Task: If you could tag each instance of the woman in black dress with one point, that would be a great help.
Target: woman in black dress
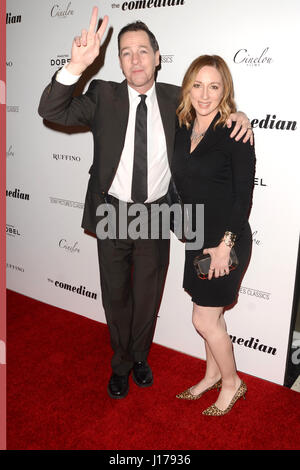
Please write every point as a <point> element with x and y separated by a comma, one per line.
<point>212,169</point>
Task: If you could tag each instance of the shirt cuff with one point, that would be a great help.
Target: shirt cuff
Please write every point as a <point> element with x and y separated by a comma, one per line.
<point>65,77</point>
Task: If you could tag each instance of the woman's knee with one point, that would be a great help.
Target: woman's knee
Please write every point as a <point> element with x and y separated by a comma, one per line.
<point>205,319</point>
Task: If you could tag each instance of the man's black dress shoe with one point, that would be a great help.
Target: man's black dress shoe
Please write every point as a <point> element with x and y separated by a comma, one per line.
<point>142,374</point>
<point>118,386</point>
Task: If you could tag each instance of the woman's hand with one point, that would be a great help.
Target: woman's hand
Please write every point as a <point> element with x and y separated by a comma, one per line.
<point>219,265</point>
<point>86,48</point>
<point>242,127</point>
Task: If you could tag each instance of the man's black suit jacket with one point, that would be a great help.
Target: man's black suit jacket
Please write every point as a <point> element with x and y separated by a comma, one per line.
<point>104,108</point>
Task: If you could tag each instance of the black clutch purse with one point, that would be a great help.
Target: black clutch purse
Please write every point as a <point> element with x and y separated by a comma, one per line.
<point>202,263</point>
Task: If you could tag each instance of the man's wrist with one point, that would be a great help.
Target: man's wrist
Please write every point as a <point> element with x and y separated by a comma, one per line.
<point>65,77</point>
<point>75,69</point>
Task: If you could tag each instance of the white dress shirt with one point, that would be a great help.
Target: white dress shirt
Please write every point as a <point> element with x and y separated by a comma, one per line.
<point>158,166</point>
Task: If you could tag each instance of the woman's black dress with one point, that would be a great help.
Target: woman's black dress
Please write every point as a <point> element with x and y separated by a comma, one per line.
<point>219,173</point>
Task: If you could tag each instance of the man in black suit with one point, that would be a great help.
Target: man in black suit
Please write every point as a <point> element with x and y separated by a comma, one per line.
<point>133,125</point>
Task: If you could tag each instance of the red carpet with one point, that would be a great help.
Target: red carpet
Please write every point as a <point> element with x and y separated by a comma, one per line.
<point>57,373</point>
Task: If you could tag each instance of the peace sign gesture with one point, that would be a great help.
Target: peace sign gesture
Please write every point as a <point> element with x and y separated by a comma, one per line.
<point>86,48</point>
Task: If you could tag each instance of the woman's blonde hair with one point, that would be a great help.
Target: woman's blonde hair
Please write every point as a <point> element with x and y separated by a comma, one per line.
<point>185,111</point>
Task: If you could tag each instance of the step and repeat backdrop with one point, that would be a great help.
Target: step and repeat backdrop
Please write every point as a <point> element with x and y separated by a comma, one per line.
<point>50,258</point>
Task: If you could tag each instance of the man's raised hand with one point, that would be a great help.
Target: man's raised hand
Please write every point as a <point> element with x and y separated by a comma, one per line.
<point>86,48</point>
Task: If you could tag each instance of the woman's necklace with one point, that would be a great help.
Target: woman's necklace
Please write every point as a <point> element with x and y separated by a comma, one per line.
<point>197,136</point>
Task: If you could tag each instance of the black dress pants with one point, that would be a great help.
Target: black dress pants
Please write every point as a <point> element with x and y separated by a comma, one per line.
<point>132,274</point>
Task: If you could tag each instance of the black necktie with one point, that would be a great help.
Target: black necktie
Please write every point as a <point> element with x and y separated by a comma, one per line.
<point>139,190</point>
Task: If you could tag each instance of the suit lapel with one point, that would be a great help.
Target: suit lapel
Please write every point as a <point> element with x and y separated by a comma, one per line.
<point>121,104</point>
<point>168,119</point>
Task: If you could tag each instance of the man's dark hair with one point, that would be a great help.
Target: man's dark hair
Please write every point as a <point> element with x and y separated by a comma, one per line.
<point>139,26</point>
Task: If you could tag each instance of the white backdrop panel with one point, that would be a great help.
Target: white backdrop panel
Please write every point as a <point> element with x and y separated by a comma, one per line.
<point>46,248</point>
